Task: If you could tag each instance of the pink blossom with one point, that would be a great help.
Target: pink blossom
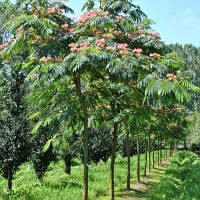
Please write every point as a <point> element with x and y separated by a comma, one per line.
<point>122,45</point>
<point>110,48</point>
<point>58,59</point>
<point>154,55</point>
<point>85,44</point>
<point>45,59</point>
<point>169,75</point>
<point>12,16</point>
<point>20,28</point>
<point>71,30</point>
<point>64,26</point>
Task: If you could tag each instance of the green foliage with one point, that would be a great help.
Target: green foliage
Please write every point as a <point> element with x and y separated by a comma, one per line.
<point>15,143</point>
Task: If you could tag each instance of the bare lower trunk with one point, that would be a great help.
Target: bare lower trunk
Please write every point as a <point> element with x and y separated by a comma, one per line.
<point>161,155</point>
<point>185,144</point>
<point>68,161</point>
<point>10,177</point>
<point>128,186</point>
<point>153,156</point>
<point>145,160</point>
<point>170,151</point>
<point>112,165</point>
<point>138,159</point>
<point>82,101</point>
<point>149,150</point>
<point>158,151</point>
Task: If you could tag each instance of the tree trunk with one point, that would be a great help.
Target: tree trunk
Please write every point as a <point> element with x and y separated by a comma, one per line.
<point>170,151</point>
<point>138,159</point>
<point>112,165</point>
<point>153,156</point>
<point>128,186</point>
<point>145,160</point>
<point>82,101</point>
<point>158,151</point>
<point>149,150</point>
<point>68,161</point>
<point>185,144</point>
<point>175,147</point>
<point>10,177</point>
<point>161,155</point>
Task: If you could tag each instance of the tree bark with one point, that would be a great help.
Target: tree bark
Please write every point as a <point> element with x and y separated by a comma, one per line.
<point>170,151</point>
<point>10,177</point>
<point>68,161</point>
<point>149,150</point>
<point>145,160</point>
<point>128,186</point>
<point>138,159</point>
<point>153,155</point>
<point>158,151</point>
<point>161,156</point>
<point>112,165</point>
<point>185,144</point>
<point>82,101</point>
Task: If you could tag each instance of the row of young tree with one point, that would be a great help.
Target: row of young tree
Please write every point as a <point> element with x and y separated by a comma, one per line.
<point>93,85</point>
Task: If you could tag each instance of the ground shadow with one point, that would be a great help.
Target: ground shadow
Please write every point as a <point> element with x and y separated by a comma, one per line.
<point>140,190</point>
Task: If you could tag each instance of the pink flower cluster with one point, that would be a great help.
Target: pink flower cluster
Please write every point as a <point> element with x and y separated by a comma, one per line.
<point>12,16</point>
<point>107,35</point>
<point>2,46</point>
<point>155,35</point>
<point>89,15</point>
<point>20,28</point>
<point>54,11</point>
<point>110,48</point>
<point>123,48</point>
<point>171,76</point>
<point>141,31</point>
<point>119,18</point>
<point>47,59</point>
<point>137,51</point>
<point>156,55</point>
<point>64,26</point>
<point>74,47</point>
<point>100,43</point>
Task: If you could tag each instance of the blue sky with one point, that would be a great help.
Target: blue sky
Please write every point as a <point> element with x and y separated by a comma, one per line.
<point>176,20</point>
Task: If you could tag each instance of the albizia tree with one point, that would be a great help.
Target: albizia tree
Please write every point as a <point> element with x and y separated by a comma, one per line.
<point>104,45</point>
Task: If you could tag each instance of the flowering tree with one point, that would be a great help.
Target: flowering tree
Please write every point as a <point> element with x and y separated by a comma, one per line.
<point>105,56</point>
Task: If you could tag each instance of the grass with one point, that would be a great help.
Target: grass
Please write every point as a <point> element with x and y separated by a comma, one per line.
<point>140,191</point>
<point>181,180</point>
<point>59,186</point>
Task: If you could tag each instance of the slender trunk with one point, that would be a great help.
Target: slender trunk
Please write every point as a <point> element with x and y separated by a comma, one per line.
<point>185,144</point>
<point>158,151</point>
<point>149,150</point>
<point>82,101</point>
<point>175,147</point>
<point>128,187</point>
<point>145,161</point>
<point>161,155</point>
<point>153,156</point>
<point>170,151</point>
<point>112,165</point>
<point>68,161</point>
<point>10,177</point>
<point>138,159</point>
